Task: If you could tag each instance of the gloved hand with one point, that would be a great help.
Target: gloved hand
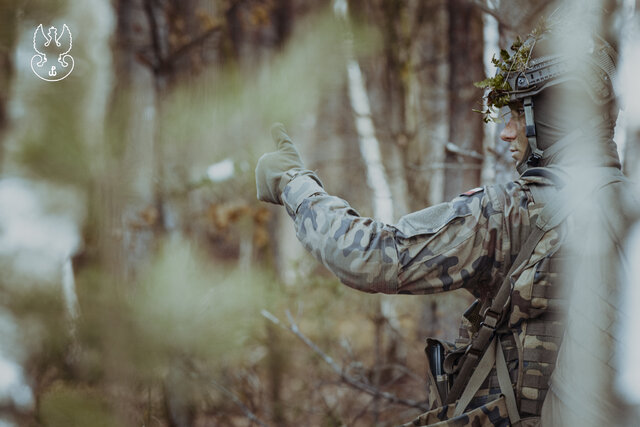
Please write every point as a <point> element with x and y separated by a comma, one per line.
<point>270,170</point>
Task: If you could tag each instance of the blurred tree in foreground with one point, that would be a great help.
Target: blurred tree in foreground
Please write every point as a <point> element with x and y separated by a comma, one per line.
<point>191,303</point>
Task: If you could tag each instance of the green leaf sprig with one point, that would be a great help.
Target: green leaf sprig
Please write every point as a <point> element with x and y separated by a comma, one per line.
<point>499,89</point>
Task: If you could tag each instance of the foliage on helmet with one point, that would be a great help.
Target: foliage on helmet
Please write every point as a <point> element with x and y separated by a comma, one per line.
<point>497,89</point>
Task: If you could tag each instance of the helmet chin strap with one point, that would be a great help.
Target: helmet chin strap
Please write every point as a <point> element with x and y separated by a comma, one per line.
<point>535,154</point>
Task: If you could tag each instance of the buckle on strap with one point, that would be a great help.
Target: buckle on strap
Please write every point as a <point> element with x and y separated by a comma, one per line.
<point>534,159</point>
<point>491,319</point>
<point>475,352</point>
<point>481,340</point>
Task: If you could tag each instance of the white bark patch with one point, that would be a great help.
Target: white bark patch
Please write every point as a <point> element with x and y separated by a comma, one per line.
<point>14,389</point>
<point>221,171</point>
<point>369,148</point>
<point>491,35</point>
<point>37,242</point>
<point>69,289</point>
<point>369,145</point>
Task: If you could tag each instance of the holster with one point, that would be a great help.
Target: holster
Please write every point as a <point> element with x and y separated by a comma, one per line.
<point>439,380</point>
<point>444,358</point>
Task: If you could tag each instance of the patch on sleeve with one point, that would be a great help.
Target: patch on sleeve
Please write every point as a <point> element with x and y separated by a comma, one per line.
<point>473,191</point>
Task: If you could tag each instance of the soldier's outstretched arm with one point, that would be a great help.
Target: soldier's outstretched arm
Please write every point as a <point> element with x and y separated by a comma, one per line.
<point>437,249</point>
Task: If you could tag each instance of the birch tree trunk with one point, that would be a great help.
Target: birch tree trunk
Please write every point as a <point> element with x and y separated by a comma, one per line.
<point>382,198</point>
<point>124,202</point>
<point>427,104</point>
<point>407,86</point>
<point>465,126</point>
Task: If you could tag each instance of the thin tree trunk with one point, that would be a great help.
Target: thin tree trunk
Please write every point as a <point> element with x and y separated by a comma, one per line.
<point>124,199</point>
<point>492,148</point>
<point>466,67</point>
<point>8,28</point>
<point>383,202</point>
<point>427,123</point>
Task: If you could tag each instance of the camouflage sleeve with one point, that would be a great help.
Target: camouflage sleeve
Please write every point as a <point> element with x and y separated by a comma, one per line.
<point>433,250</point>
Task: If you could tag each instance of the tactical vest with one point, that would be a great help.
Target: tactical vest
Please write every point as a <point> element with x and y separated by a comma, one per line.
<point>529,335</point>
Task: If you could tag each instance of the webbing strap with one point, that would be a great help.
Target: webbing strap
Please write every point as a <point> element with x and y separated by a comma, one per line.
<point>542,193</point>
<point>530,129</point>
<point>554,212</point>
<point>552,173</point>
<point>478,377</point>
<point>505,386</point>
<point>491,318</point>
<point>492,382</point>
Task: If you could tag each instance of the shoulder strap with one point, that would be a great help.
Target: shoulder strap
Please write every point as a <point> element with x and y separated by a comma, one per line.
<point>492,316</point>
<point>555,211</point>
<point>550,173</point>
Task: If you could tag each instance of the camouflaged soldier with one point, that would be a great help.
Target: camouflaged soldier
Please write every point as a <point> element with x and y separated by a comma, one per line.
<point>500,242</point>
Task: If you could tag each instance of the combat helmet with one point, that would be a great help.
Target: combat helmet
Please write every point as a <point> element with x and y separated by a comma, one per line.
<point>535,64</point>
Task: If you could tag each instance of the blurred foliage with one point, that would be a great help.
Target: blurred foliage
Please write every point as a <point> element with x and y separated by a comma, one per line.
<point>182,304</point>
<point>41,318</point>
<point>14,12</point>
<point>226,114</point>
<point>54,148</point>
<point>187,305</point>
<point>54,132</point>
<point>65,406</point>
<point>186,318</point>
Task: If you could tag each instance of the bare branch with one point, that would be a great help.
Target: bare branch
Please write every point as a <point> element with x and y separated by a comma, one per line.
<point>456,149</point>
<point>239,403</point>
<point>367,388</point>
<point>163,59</point>
<point>185,48</point>
<point>154,28</point>
<point>443,165</point>
<point>404,370</point>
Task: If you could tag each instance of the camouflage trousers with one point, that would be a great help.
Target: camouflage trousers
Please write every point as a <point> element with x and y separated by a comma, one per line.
<point>492,414</point>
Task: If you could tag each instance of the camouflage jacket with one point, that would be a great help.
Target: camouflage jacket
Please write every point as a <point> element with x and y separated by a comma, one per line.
<point>467,243</point>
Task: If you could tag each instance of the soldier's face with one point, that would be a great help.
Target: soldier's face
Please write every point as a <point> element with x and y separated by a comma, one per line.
<point>514,133</point>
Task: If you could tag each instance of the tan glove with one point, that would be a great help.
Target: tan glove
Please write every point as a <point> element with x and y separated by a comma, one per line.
<point>274,170</point>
